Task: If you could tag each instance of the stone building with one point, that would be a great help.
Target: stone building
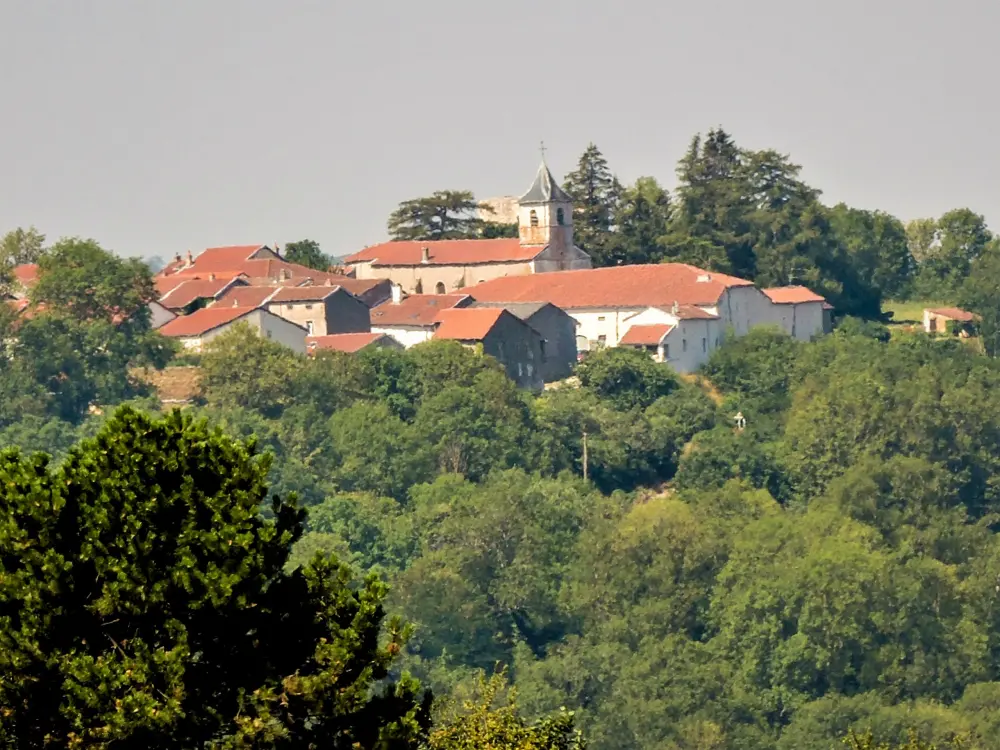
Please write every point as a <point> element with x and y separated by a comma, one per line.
<point>544,244</point>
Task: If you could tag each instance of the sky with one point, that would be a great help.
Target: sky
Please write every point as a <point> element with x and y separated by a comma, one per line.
<point>162,126</point>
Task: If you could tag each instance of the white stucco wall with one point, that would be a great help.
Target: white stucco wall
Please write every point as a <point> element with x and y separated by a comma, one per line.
<point>689,345</point>
<point>744,307</point>
<point>595,323</point>
<point>801,321</point>
<point>267,324</point>
<point>406,335</point>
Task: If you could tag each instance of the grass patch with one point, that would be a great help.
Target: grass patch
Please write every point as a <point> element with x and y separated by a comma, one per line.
<point>911,312</point>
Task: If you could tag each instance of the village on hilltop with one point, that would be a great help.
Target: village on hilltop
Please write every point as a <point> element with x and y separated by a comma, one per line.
<point>533,302</point>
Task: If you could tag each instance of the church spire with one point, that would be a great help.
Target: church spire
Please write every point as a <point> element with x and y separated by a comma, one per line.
<point>544,189</point>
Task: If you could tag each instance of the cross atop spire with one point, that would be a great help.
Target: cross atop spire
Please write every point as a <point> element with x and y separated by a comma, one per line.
<point>541,147</point>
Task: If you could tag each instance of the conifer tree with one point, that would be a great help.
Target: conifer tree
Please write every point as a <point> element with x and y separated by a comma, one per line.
<point>144,602</point>
<point>596,193</point>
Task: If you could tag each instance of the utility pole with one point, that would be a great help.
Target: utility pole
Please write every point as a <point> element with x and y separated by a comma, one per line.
<point>584,455</point>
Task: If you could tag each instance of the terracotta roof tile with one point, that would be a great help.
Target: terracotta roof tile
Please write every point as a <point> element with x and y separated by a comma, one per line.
<point>416,310</point>
<point>311,293</point>
<point>633,287</point>
<point>246,296</point>
<point>689,312</point>
<point>26,274</point>
<point>467,323</point>
<point>446,252</point>
<point>202,321</point>
<point>954,313</point>
<point>223,258</point>
<point>792,295</point>
<point>645,335</point>
<point>188,291</point>
<point>344,342</point>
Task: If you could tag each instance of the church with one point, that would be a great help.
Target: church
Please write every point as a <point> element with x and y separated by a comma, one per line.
<point>545,243</point>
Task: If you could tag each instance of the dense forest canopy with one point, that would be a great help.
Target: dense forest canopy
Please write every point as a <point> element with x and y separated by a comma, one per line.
<point>630,562</point>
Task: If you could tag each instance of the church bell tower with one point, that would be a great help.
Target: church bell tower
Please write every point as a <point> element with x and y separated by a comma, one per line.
<point>545,213</point>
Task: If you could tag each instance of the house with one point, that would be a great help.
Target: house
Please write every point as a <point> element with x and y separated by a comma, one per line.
<point>190,294</point>
<point>25,276</point>
<point>800,312</point>
<point>947,319</point>
<point>603,300</point>
<point>159,315</point>
<point>557,328</point>
<point>201,326</point>
<point>544,244</point>
<point>503,336</point>
<point>321,310</point>
<point>410,319</point>
<point>349,343</point>
<point>683,336</point>
<point>259,265</point>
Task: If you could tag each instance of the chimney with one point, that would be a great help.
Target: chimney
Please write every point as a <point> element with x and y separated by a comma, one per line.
<point>190,258</point>
<point>397,293</point>
<point>676,308</point>
<point>705,277</point>
<point>211,277</point>
<point>425,255</point>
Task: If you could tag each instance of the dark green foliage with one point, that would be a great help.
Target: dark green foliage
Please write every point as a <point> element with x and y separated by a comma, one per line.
<point>444,215</point>
<point>307,253</point>
<point>144,603</point>
<point>595,192</point>
<point>628,378</point>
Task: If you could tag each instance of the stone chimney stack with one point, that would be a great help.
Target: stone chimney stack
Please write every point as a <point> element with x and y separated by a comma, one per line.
<point>676,308</point>
<point>425,255</point>
<point>397,293</point>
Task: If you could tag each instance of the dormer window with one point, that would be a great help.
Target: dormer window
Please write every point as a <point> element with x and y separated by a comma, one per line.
<point>534,218</point>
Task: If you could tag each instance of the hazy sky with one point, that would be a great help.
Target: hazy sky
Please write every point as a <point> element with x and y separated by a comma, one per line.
<point>158,126</point>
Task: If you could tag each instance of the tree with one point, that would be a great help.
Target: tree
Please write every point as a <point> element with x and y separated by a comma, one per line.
<point>877,247</point>
<point>482,724</point>
<point>595,192</point>
<point>307,253</point>
<point>642,219</point>
<point>444,215</point>
<point>82,279</point>
<point>626,377</point>
<point>980,294</point>
<point>710,227</point>
<point>150,607</point>
<point>960,238</point>
<point>21,246</point>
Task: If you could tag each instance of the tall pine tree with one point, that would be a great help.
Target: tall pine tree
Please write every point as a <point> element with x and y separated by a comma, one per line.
<point>596,194</point>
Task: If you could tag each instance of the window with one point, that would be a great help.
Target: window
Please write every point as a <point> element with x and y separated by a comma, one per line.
<point>439,288</point>
<point>309,306</point>
<point>600,318</point>
<point>666,351</point>
<point>704,345</point>
<point>309,327</point>
<point>269,334</point>
<point>602,339</point>
<point>684,345</point>
<point>534,218</point>
<point>560,217</point>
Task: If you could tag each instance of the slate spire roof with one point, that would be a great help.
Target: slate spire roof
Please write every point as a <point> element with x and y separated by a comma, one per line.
<point>544,189</point>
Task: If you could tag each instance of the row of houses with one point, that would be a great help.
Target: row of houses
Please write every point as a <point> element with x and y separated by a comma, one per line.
<point>533,302</point>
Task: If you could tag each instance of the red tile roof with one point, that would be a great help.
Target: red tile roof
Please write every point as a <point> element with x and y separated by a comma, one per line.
<point>639,286</point>
<point>689,312</point>
<point>647,335</point>
<point>202,321</point>
<point>188,291</point>
<point>26,274</point>
<point>357,287</point>
<point>223,258</point>
<point>245,296</point>
<point>447,252</point>
<point>467,323</point>
<point>954,313</point>
<point>792,295</point>
<point>310,293</point>
<point>344,342</point>
<point>417,310</point>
